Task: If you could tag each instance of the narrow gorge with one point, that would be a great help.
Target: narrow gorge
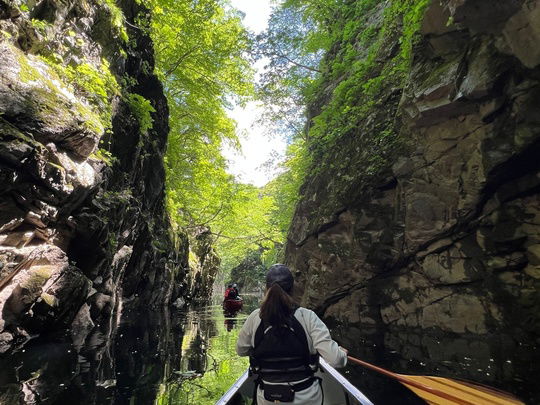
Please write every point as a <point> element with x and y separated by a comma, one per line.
<point>407,202</point>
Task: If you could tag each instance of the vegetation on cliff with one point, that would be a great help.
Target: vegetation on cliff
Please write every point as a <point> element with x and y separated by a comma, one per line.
<point>324,78</point>
<point>337,58</point>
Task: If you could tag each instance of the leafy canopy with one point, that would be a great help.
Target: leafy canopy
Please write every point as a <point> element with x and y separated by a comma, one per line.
<point>323,76</point>
<point>200,58</point>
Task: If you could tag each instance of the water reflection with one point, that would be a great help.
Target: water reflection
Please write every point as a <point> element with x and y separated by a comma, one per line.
<point>188,357</point>
<point>206,384</point>
<point>149,356</point>
<point>498,361</point>
<point>230,320</point>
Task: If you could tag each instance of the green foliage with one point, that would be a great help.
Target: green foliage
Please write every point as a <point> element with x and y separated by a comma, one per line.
<point>105,156</point>
<point>201,59</point>
<point>224,367</point>
<point>249,226</point>
<point>361,64</point>
<point>98,86</point>
<point>294,54</point>
<point>48,78</point>
<point>361,76</point>
<point>330,60</point>
<point>260,217</point>
<point>142,109</point>
<point>117,19</point>
<point>250,273</point>
<point>40,25</point>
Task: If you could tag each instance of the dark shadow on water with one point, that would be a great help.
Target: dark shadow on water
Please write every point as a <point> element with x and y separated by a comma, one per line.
<point>125,364</point>
<point>169,355</point>
<point>498,361</point>
<point>115,366</point>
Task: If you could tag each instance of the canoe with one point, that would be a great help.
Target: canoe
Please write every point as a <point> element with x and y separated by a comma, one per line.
<point>336,388</point>
<point>233,305</point>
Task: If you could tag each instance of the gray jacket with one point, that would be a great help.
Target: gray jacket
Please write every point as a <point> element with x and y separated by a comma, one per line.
<point>318,338</point>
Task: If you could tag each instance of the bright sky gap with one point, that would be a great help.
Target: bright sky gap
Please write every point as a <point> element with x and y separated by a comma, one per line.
<point>257,148</point>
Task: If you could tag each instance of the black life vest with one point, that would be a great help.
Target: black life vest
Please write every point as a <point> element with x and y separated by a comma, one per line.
<point>281,353</point>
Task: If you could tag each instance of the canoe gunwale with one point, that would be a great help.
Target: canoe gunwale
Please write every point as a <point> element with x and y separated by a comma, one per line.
<point>326,368</point>
<point>345,384</point>
<point>234,389</point>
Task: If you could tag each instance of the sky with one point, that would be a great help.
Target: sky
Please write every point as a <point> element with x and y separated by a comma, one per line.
<point>257,148</point>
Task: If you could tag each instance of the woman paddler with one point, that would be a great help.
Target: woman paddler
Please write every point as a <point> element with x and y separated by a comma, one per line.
<point>284,341</point>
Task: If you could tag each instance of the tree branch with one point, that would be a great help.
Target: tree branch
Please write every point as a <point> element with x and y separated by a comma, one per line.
<point>180,60</point>
<point>280,55</point>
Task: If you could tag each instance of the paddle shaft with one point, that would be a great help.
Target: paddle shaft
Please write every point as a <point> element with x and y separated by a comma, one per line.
<point>404,380</point>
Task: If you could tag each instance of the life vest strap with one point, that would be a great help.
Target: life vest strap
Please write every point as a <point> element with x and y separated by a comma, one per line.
<point>264,371</point>
<point>295,387</point>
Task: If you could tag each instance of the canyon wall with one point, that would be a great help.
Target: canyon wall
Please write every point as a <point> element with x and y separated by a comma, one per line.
<point>83,129</point>
<point>444,234</point>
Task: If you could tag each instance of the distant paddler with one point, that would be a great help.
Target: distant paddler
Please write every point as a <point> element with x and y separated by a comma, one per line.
<point>232,301</point>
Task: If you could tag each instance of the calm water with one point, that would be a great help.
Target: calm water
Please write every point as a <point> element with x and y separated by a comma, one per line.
<point>187,357</point>
<point>497,361</point>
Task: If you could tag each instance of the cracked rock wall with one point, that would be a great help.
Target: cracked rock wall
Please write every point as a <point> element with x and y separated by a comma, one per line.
<point>449,237</point>
<point>83,227</point>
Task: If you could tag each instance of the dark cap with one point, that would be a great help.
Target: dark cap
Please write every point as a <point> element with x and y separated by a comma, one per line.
<point>280,274</point>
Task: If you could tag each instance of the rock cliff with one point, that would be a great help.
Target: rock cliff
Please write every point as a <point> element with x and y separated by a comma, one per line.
<point>203,264</point>
<point>83,130</point>
<point>250,273</point>
<point>445,232</point>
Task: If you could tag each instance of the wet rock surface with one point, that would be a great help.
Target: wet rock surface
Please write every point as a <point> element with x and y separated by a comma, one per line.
<point>83,227</point>
<point>203,264</point>
<point>445,239</point>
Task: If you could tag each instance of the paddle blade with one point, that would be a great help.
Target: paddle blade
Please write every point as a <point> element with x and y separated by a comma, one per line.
<point>446,391</point>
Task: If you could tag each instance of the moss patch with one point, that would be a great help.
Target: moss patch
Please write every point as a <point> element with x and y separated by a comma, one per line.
<point>365,65</point>
<point>40,275</point>
<point>49,299</point>
<point>142,109</point>
<point>46,96</point>
<point>117,19</point>
<point>98,86</point>
<point>105,156</point>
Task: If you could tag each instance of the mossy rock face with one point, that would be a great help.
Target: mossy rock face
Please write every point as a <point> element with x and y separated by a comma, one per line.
<point>61,64</point>
<point>58,304</point>
<point>203,263</point>
<point>442,231</point>
<point>49,299</point>
<point>35,100</point>
<point>26,293</point>
<point>39,276</point>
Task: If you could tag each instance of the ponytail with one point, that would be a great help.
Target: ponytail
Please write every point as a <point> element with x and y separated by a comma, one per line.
<point>277,306</point>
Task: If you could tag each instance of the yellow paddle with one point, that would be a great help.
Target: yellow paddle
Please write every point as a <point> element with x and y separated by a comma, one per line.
<point>446,391</point>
